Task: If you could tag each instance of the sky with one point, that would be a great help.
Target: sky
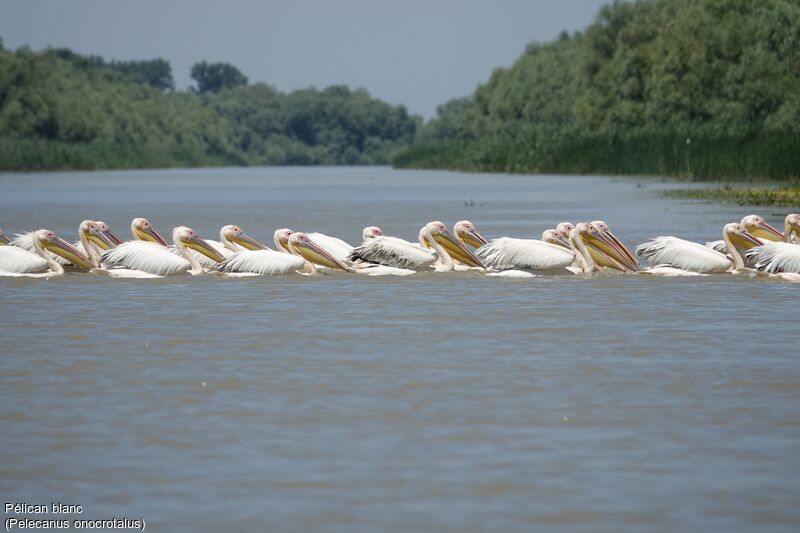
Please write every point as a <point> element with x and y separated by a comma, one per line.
<point>420,53</point>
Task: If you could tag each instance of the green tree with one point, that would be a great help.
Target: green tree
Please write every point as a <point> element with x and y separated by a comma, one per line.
<point>213,77</point>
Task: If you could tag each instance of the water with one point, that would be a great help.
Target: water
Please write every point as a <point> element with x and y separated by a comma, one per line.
<point>436,402</point>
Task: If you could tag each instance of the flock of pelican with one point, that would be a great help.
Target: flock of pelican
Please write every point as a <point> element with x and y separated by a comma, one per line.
<point>751,245</point>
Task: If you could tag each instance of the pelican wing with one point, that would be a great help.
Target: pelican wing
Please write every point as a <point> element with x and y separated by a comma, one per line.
<point>392,252</point>
<point>25,241</point>
<point>15,260</point>
<point>146,256</point>
<point>263,262</point>
<point>336,247</point>
<point>682,254</point>
<point>776,257</point>
<point>505,253</point>
<point>719,246</point>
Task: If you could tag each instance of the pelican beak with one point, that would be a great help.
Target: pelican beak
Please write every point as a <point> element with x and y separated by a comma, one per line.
<point>101,239</point>
<point>562,241</point>
<point>746,240</point>
<point>198,244</point>
<point>111,238</point>
<point>62,248</point>
<point>628,259</point>
<point>247,242</point>
<point>601,247</point>
<point>149,234</point>
<point>284,242</point>
<point>473,238</point>
<point>4,239</point>
<point>457,250</point>
<point>316,254</point>
<point>765,231</point>
<point>427,242</point>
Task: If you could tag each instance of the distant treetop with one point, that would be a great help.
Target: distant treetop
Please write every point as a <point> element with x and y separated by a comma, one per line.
<point>213,77</point>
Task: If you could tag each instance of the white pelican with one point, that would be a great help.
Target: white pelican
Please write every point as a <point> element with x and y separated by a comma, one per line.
<point>142,230</point>
<point>303,245</point>
<point>553,252</point>
<point>465,231</point>
<point>15,261</point>
<point>105,229</point>
<point>781,258</point>
<point>265,261</point>
<point>757,227</point>
<point>92,242</point>
<point>3,238</point>
<point>628,260</point>
<point>232,240</point>
<point>674,256</point>
<point>333,246</point>
<point>401,254</point>
<point>151,259</point>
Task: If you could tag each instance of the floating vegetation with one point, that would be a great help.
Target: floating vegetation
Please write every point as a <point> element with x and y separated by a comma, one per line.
<point>784,196</point>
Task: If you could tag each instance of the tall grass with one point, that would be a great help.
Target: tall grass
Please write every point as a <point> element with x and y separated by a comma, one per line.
<point>686,153</point>
<point>37,155</point>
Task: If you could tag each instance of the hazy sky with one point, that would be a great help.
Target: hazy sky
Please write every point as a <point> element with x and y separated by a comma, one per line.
<point>419,53</point>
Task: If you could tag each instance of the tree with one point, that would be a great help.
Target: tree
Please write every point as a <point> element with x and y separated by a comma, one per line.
<point>213,77</point>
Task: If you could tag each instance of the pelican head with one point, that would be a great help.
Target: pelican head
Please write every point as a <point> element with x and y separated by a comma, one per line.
<point>3,238</point>
<point>565,228</point>
<point>314,253</point>
<point>234,234</point>
<point>190,239</point>
<point>792,223</point>
<point>106,230</point>
<point>554,236</point>
<point>587,237</point>
<point>628,260</point>
<point>370,232</point>
<point>281,238</point>
<point>51,242</point>
<point>758,227</point>
<point>739,236</point>
<point>437,231</point>
<point>142,230</point>
<point>465,231</point>
<point>91,231</point>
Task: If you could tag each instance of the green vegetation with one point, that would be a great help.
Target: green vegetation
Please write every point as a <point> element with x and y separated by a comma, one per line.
<point>62,110</point>
<point>701,89</point>
<point>788,196</point>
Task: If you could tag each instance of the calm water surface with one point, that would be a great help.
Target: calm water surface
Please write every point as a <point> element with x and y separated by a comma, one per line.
<point>435,402</point>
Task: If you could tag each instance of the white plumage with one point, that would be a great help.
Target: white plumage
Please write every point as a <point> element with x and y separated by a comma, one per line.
<point>336,247</point>
<point>17,261</point>
<point>508,253</point>
<point>262,262</point>
<point>148,257</point>
<point>393,252</point>
<point>776,257</point>
<point>25,242</point>
<point>684,255</point>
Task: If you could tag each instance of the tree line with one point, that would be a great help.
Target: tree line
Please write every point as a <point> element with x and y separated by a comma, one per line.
<point>60,109</point>
<point>698,88</point>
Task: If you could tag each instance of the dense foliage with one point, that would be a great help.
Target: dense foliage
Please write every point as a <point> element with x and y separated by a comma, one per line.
<point>704,88</point>
<point>59,109</point>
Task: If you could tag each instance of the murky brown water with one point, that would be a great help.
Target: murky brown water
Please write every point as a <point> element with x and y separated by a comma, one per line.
<point>435,402</point>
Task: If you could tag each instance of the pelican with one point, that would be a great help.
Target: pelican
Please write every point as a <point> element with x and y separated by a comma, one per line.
<point>303,245</point>
<point>142,230</point>
<point>465,231</point>
<point>757,227</point>
<point>401,254</point>
<point>628,260</point>
<point>105,229</point>
<point>232,240</point>
<point>334,247</point>
<point>151,259</point>
<point>554,252</point>
<point>15,261</point>
<point>781,258</point>
<point>92,241</point>
<point>674,256</point>
<point>3,239</point>
<point>265,262</point>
